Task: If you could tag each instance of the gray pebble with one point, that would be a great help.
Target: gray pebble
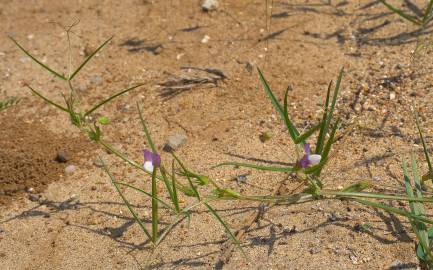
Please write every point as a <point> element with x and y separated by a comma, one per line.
<point>61,157</point>
<point>174,142</point>
<point>98,163</point>
<point>96,80</point>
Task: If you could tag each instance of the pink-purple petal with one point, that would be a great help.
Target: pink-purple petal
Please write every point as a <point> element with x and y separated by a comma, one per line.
<point>304,162</point>
<point>307,148</point>
<point>152,157</point>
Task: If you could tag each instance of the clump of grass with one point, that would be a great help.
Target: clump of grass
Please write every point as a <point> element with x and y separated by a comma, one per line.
<point>421,229</point>
<point>171,178</point>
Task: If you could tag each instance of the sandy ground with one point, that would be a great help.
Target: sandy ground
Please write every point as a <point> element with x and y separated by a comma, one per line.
<point>53,220</point>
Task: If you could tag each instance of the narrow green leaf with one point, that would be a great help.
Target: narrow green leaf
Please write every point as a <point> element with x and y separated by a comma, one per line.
<point>194,189</point>
<point>8,102</point>
<point>154,207</point>
<point>307,134</point>
<point>227,229</point>
<point>401,13</point>
<point>323,128</point>
<point>257,167</point>
<point>147,194</point>
<point>37,61</point>
<point>394,210</point>
<point>290,126</point>
<point>47,100</point>
<point>125,201</point>
<point>174,195</point>
<point>146,131</point>
<point>427,13</point>
<point>282,111</point>
<point>110,98</point>
<point>88,59</point>
<point>424,146</point>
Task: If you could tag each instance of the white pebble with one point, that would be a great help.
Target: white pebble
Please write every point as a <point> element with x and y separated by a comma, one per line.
<point>70,169</point>
<point>205,39</point>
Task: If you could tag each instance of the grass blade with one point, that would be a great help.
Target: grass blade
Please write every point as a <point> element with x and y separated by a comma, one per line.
<point>282,111</point>
<point>401,13</point>
<point>38,62</point>
<point>154,207</point>
<point>88,59</point>
<point>47,100</point>
<point>110,98</point>
<point>257,167</point>
<point>146,131</point>
<point>8,102</point>
<point>394,210</point>
<point>194,189</point>
<point>322,132</point>
<point>125,201</point>
<point>147,194</point>
<point>307,133</point>
<point>424,146</point>
<point>175,197</point>
<point>427,12</point>
<point>227,229</point>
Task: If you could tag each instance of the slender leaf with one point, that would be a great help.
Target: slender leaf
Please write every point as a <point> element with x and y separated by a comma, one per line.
<point>257,167</point>
<point>154,207</point>
<point>37,61</point>
<point>110,98</point>
<point>146,131</point>
<point>175,198</point>
<point>427,13</point>
<point>147,194</point>
<point>282,111</point>
<point>88,59</point>
<point>308,133</point>
<point>394,210</point>
<point>128,205</point>
<point>194,189</point>
<point>47,100</point>
<point>227,229</point>
<point>424,146</point>
<point>401,13</point>
<point>323,128</point>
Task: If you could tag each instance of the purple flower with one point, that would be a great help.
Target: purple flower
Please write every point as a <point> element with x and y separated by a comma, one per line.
<point>151,160</point>
<point>309,159</point>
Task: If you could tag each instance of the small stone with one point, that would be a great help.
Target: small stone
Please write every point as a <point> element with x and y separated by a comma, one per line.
<point>242,178</point>
<point>174,142</point>
<point>70,169</point>
<point>98,163</point>
<point>34,198</point>
<point>205,39</point>
<point>61,157</point>
<point>332,217</point>
<point>30,37</point>
<point>96,80</point>
<point>315,250</point>
<point>93,188</point>
<point>124,108</point>
<point>392,96</point>
<point>397,265</point>
<point>353,258</point>
<point>209,5</point>
<point>30,190</point>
